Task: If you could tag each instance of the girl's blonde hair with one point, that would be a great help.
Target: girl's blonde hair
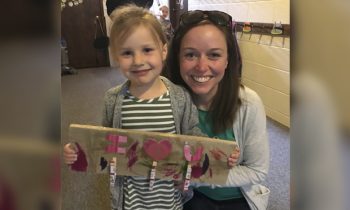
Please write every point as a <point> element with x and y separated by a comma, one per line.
<point>126,19</point>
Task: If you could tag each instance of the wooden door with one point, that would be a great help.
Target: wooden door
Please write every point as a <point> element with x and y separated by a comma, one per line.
<point>78,29</point>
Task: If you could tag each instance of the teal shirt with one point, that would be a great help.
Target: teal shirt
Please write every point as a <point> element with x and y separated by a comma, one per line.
<point>219,193</point>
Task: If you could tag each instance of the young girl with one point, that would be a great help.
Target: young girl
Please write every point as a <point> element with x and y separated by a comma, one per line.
<point>146,101</point>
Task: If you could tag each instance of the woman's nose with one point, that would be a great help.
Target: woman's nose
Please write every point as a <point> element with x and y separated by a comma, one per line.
<point>202,64</point>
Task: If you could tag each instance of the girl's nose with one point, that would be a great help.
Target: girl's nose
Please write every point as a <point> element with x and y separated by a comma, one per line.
<point>138,59</point>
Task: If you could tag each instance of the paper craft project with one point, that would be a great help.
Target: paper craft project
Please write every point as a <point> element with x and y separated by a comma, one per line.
<point>109,152</point>
<point>136,152</point>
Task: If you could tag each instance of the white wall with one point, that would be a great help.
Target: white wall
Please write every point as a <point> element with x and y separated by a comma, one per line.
<point>265,11</point>
<point>266,63</point>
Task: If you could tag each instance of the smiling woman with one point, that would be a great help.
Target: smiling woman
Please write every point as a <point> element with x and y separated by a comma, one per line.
<point>203,65</point>
<point>204,57</point>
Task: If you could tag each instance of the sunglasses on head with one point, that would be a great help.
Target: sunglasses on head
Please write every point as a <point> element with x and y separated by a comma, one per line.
<point>216,17</point>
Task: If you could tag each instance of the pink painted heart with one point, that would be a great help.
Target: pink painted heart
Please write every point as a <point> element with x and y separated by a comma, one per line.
<point>157,150</point>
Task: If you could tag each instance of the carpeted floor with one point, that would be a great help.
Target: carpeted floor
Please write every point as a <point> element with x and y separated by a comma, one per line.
<point>82,99</point>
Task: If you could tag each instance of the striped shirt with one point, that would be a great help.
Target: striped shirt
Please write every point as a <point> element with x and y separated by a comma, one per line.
<point>149,115</point>
<point>163,196</point>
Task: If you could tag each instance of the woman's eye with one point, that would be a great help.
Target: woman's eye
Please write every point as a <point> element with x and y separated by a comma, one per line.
<point>214,55</point>
<point>189,55</point>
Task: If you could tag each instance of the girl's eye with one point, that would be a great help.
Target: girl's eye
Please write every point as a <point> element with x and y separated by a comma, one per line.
<point>148,49</point>
<point>126,53</point>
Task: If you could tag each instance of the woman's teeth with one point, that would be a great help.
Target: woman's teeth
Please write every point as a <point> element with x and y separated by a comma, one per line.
<point>201,79</point>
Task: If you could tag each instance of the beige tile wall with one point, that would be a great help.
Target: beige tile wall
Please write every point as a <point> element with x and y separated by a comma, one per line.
<point>266,61</point>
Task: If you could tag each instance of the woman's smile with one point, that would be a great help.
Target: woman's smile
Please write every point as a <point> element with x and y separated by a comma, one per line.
<point>201,79</point>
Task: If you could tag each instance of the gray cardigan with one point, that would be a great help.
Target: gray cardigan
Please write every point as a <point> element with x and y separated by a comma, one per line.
<point>184,111</point>
<point>250,132</point>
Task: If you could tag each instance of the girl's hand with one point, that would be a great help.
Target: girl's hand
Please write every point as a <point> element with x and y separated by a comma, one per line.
<point>69,153</point>
<point>233,158</point>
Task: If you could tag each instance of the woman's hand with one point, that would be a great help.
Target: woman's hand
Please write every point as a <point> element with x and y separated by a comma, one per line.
<point>233,158</point>
<point>69,153</point>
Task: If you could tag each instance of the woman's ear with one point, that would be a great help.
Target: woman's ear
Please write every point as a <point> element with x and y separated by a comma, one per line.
<point>164,51</point>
